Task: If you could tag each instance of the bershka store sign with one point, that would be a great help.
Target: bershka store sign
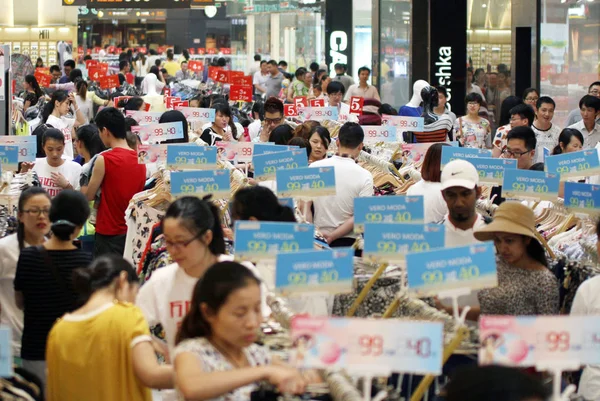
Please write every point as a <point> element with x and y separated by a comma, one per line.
<point>448,43</point>
<point>338,34</point>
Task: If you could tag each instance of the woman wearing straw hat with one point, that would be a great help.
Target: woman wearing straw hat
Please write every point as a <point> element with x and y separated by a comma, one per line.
<point>525,284</point>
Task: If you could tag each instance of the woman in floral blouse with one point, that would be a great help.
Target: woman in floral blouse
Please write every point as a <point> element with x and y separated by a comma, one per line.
<point>472,131</point>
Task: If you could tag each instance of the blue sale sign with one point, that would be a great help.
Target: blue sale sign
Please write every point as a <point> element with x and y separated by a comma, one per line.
<point>9,157</point>
<point>201,183</point>
<point>27,146</point>
<point>388,209</point>
<point>262,148</point>
<point>267,164</point>
<point>392,242</point>
<point>329,271</point>
<point>6,356</point>
<point>306,182</point>
<point>472,266</point>
<point>256,241</point>
<point>530,185</point>
<point>582,198</point>
<point>492,170</point>
<point>191,157</point>
<point>450,153</point>
<point>574,165</point>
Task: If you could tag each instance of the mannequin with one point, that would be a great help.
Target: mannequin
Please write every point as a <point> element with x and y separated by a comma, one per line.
<point>153,98</point>
<point>413,107</point>
<point>437,128</point>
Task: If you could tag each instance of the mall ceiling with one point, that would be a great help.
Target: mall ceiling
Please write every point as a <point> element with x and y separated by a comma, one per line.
<point>489,14</point>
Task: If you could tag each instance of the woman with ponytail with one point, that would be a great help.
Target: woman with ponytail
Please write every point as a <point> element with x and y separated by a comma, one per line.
<point>32,93</point>
<point>34,207</point>
<point>103,350</point>
<point>216,357</point>
<point>43,287</point>
<point>260,204</point>
<point>55,115</point>
<point>569,140</point>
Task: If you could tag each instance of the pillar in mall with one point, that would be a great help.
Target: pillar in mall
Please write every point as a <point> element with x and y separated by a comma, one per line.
<point>338,34</point>
<point>525,69</point>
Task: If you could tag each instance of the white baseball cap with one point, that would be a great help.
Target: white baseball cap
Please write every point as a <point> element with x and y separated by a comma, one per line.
<point>459,173</point>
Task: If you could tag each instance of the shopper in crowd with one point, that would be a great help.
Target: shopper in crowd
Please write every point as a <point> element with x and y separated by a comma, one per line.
<point>503,86</point>
<point>159,83</point>
<point>526,286</point>
<point>341,76</point>
<point>68,66</point>
<point>55,115</point>
<point>304,130</point>
<point>273,118</point>
<point>281,135</point>
<point>430,186</point>
<point>55,172</point>
<point>442,107</point>
<point>319,140</point>
<point>132,104</point>
<point>301,86</point>
<point>117,188</point>
<point>89,145</point>
<point>255,65</point>
<point>479,78</point>
<point>569,140</point>
<point>259,79</point>
<point>103,350</point>
<point>335,94</point>
<point>258,203</point>
<point>492,97</point>
<point>185,72</point>
<point>589,107</point>
<point>471,87</point>
<point>275,78</point>
<point>124,68</point>
<point>546,133</point>
<point>218,131</point>
<point>43,287</point>
<point>258,115</point>
<point>317,77</point>
<point>531,97</point>
<point>171,65</point>
<point>32,92</point>
<point>575,114</point>
<point>521,145</point>
<point>215,355</point>
<point>173,116</point>
<point>84,102</point>
<point>363,89</point>
<point>460,190</point>
<point>39,63</point>
<point>33,226</point>
<point>141,66</point>
<point>494,383</point>
<point>56,73</point>
<point>521,115</point>
<point>334,215</point>
<point>283,66</point>
<point>472,131</point>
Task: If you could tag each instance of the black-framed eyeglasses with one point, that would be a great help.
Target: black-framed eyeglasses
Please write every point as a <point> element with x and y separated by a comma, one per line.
<point>513,154</point>
<point>181,244</point>
<point>273,120</point>
<point>37,212</point>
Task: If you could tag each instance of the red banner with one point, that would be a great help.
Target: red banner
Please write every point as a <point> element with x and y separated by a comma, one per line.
<point>43,79</point>
<point>96,74</point>
<point>91,64</point>
<point>109,82</point>
<point>290,110</point>
<point>356,104</point>
<point>191,50</point>
<point>301,101</point>
<point>226,50</point>
<point>317,102</point>
<point>104,67</point>
<point>169,100</point>
<point>213,72</point>
<point>212,50</point>
<point>167,91</point>
<point>196,65</point>
<point>223,76</point>
<point>181,103</point>
<point>243,80</point>
<point>240,92</point>
<point>201,50</point>
<point>43,70</point>
<point>235,74</point>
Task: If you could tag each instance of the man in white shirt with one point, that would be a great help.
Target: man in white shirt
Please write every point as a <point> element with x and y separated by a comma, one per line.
<point>460,191</point>
<point>589,107</point>
<point>185,72</point>
<point>255,66</point>
<point>546,133</point>
<point>334,215</point>
<point>575,114</point>
<point>363,89</point>
<point>260,79</point>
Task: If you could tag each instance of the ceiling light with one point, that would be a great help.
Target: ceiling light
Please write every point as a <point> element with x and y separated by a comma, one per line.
<point>484,5</point>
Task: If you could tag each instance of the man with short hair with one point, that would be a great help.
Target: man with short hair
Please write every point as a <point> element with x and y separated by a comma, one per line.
<point>522,115</point>
<point>341,76</point>
<point>124,69</point>
<point>273,112</point>
<point>363,89</point>
<point>283,66</point>
<point>56,74</point>
<point>575,114</point>
<point>546,133</point>
<point>185,72</point>
<point>589,107</point>
<point>117,188</point>
<point>335,94</point>
<point>260,79</point>
<point>68,66</point>
<point>274,79</point>
<point>255,66</point>
<point>521,144</point>
<point>334,215</point>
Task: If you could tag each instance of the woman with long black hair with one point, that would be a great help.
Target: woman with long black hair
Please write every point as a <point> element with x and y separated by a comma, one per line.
<point>55,115</point>
<point>32,93</point>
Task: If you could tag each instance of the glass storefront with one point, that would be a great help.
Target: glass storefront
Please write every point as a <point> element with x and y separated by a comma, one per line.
<point>570,46</point>
<point>489,34</point>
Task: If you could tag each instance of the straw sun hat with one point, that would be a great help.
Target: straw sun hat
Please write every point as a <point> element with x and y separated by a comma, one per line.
<point>512,218</point>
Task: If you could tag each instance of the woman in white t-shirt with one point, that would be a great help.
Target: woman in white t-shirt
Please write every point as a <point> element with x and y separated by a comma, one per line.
<point>54,172</point>
<point>430,187</point>
<point>141,66</point>
<point>34,225</point>
<point>84,101</point>
<point>55,115</point>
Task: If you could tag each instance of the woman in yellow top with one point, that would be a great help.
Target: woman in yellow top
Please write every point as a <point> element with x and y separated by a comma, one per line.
<point>103,350</point>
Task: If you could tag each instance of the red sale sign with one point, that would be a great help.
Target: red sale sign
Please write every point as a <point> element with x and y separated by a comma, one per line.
<point>243,80</point>
<point>96,74</point>
<point>184,103</point>
<point>91,64</point>
<point>43,70</point>
<point>196,66</point>
<point>201,50</point>
<point>226,50</point>
<point>317,102</point>
<point>223,76</point>
<point>241,93</point>
<point>43,79</point>
<point>211,51</point>
<point>104,67</point>
<point>109,81</point>
<point>169,100</point>
<point>290,110</point>
<point>167,91</point>
<point>213,73</point>
<point>301,101</point>
<point>356,104</point>
<point>235,75</point>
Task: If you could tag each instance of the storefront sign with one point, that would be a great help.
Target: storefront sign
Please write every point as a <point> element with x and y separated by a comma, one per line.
<point>338,34</point>
<point>432,272</point>
<point>582,198</point>
<point>197,114</point>
<point>156,133</point>
<point>191,157</point>
<point>201,183</point>
<point>318,113</point>
<point>9,158</point>
<point>144,117</point>
<point>524,341</point>
<point>574,165</point>
<point>450,153</point>
<point>388,210</point>
<point>266,165</point>
<point>392,242</point>
<point>330,271</point>
<point>379,133</point>
<point>491,170</point>
<point>236,152</point>
<point>27,145</point>
<point>156,153</point>
<point>306,182</point>
<point>530,185</point>
<point>368,346</point>
<point>256,240</point>
<point>138,4</point>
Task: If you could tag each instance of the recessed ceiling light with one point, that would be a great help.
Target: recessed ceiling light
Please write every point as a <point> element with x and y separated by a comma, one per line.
<point>484,5</point>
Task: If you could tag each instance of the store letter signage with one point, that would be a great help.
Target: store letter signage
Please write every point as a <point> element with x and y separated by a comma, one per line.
<point>338,34</point>
<point>338,42</point>
<point>444,69</point>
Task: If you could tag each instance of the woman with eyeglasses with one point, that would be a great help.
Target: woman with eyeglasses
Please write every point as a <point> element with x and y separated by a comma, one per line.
<point>43,281</point>
<point>34,206</point>
<point>472,131</point>
<point>530,97</point>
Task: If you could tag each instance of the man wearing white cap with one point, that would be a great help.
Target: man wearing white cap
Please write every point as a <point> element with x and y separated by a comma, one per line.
<point>460,191</point>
